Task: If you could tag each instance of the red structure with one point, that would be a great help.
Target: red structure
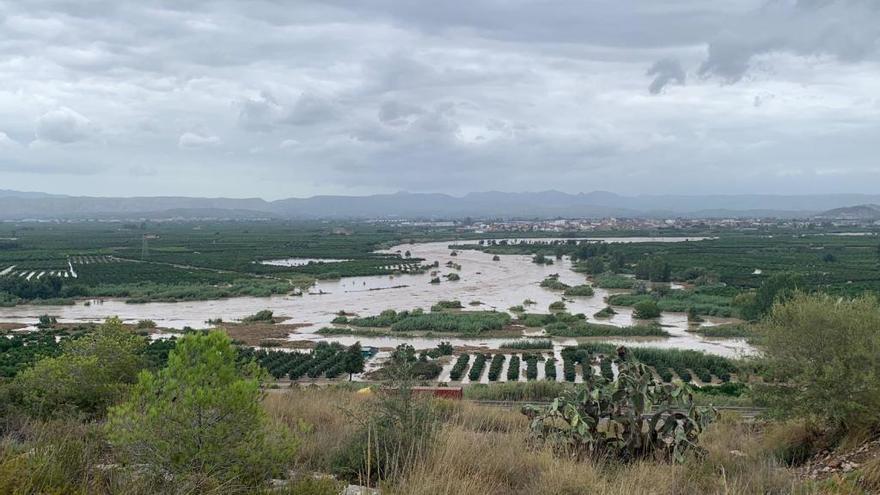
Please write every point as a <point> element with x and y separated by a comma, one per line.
<point>454,393</point>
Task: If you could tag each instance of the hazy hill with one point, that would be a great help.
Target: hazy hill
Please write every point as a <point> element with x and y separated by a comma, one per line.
<point>492,204</point>
<point>858,212</point>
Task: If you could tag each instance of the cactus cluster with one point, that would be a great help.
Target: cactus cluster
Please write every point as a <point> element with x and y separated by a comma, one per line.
<point>632,417</point>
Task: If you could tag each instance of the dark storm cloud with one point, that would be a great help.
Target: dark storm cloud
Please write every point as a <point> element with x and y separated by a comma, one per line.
<point>293,98</point>
<point>666,71</point>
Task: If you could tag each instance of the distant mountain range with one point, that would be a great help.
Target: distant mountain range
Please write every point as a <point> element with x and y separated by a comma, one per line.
<point>15,205</point>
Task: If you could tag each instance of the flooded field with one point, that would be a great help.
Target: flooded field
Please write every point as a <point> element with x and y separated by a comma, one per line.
<point>494,284</point>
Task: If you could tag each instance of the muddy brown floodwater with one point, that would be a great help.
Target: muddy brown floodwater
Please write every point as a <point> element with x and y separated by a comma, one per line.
<point>496,284</point>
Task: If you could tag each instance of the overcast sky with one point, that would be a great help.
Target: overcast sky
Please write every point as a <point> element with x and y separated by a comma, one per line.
<point>296,98</point>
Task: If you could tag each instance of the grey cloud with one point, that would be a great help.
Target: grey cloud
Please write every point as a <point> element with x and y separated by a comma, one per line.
<point>342,96</point>
<point>848,30</point>
<point>665,71</point>
<point>63,125</point>
<point>311,109</point>
<point>396,113</point>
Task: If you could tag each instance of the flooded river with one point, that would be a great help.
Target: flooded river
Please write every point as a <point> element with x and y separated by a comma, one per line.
<point>495,284</point>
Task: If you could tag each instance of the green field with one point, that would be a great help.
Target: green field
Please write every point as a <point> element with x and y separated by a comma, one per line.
<point>185,261</point>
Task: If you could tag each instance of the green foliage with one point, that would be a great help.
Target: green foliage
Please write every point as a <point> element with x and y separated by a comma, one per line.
<point>528,344</point>
<point>442,305</point>
<point>587,329</point>
<point>513,368</point>
<point>496,366</point>
<point>579,290</point>
<point>707,300</point>
<point>540,259</point>
<point>821,360</point>
<point>646,309</point>
<point>200,418</point>
<point>353,360</point>
<point>665,361</point>
<point>654,268</point>
<point>612,281</point>
<point>557,306</point>
<point>459,367</point>
<point>777,288</point>
<point>552,282</point>
<point>732,330</point>
<point>606,312</point>
<point>18,351</point>
<point>618,421</point>
<point>469,322</point>
<point>91,373</point>
<point>550,370</point>
<point>477,369</point>
<point>532,365</point>
<point>264,316</point>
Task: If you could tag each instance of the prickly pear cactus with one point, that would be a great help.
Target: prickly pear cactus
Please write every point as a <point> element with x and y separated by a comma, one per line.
<point>631,417</point>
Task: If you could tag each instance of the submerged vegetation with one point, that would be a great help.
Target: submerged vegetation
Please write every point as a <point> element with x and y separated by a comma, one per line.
<point>467,322</point>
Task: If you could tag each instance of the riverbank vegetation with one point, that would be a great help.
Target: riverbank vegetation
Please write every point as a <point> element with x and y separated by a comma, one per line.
<point>464,322</point>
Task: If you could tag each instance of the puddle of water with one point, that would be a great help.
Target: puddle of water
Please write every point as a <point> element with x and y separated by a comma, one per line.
<point>496,284</point>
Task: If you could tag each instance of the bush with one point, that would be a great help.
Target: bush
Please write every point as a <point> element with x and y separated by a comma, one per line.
<point>264,316</point>
<point>441,305</point>
<point>579,290</point>
<point>646,310</point>
<point>606,312</point>
<point>823,350</point>
<point>200,418</point>
<point>557,306</point>
<point>91,373</point>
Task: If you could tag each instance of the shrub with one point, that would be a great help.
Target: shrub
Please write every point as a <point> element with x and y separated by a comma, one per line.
<point>557,306</point>
<point>264,316</point>
<point>824,350</point>
<point>579,290</point>
<point>441,305</point>
<point>552,282</point>
<point>200,418</point>
<point>646,310</point>
<point>606,312</point>
<point>91,373</point>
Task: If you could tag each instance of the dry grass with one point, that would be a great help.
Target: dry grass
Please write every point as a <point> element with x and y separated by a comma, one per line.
<point>487,450</point>
<point>325,413</point>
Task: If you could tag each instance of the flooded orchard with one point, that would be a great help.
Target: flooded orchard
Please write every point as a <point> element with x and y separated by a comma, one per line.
<point>484,284</point>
